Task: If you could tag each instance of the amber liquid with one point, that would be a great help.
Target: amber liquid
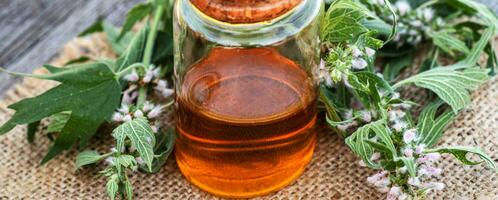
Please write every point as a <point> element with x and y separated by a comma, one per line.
<point>245,122</point>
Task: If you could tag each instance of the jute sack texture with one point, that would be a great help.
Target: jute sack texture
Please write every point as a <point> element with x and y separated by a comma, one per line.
<point>334,172</point>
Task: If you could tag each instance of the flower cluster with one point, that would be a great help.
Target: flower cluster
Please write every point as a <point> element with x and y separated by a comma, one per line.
<point>151,76</point>
<point>414,24</point>
<point>344,60</point>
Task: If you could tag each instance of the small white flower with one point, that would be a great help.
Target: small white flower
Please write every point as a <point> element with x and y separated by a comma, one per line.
<point>359,63</point>
<point>113,149</point>
<point>403,170</point>
<point>161,84</point>
<point>124,109</point>
<point>156,72</point>
<point>117,117</point>
<point>394,193</point>
<point>370,52</point>
<point>138,113</point>
<point>399,126</point>
<point>356,52</point>
<point>109,160</point>
<point>416,23</point>
<point>149,75</point>
<point>127,118</point>
<point>377,178</point>
<point>403,7</point>
<point>348,114</point>
<point>148,106</point>
<point>410,136</point>
<point>420,148</point>
<point>430,157</point>
<point>428,14</point>
<point>403,196</point>
<point>383,189</point>
<point>408,153</point>
<point>361,163</point>
<point>366,116</point>
<point>154,128</point>
<point>132,77</point>
<point>343,127</point>
<point>414,181</point>
<point>375,156</point>
<point>139,160</point>
<point>167,92</point>
<point>429,171</point>
<point>155,112</point>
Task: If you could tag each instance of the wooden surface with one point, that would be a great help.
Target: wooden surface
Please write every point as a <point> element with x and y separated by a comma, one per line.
<point>33,31</point>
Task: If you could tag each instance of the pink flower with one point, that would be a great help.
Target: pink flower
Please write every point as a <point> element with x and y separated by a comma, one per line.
<point>409,136</point>
<point>356,52</point>
<point>127,118</point>
<point>132,77</point>
<point>429,171</point>
<point>155,112</point>
<point>420,149</point>
<point>408,152</point>
<point>138,113</point>
<point>124,109</point>
<point>414,181</point>
<point>370,52</point>
<point>148,106</point>
<point>359,63</point>
<point>117,117</point>
<point>394,193</point>
<point>139,160</point>
<point>430,157</point>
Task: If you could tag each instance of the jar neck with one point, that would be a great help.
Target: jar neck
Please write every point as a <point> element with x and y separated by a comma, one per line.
<point>264,33</point>
<point>245,11</point>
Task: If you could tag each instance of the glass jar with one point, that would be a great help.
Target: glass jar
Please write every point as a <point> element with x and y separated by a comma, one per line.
<point>246,83</point>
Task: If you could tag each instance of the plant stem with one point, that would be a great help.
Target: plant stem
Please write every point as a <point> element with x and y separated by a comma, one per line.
<point>149,47</point>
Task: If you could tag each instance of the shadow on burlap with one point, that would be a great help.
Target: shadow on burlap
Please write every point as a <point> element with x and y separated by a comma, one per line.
<point>334,172</point>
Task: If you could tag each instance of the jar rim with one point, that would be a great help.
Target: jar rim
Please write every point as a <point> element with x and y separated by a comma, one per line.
<point>263,33</point>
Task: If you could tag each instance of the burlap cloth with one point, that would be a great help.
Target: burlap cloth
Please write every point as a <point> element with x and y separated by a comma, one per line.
<point>334,172</point>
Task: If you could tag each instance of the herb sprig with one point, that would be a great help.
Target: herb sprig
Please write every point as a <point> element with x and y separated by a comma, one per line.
<point>362,100</point>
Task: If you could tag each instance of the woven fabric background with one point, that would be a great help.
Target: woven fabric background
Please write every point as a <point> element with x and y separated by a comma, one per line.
<point>334,172</point>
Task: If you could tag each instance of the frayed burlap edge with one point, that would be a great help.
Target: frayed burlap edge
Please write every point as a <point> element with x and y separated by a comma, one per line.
<point>334,172</point>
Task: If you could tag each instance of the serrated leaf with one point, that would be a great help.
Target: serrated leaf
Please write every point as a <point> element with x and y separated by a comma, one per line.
<point>429,127</point>
<point>449,83</point>
<point>94,28</point>
<point>460,152</point>
<point>112,186</point>
<point>58,121</point>
<point>32,128</point>
<point>141,136</point>
<point>126,161</point>
<point>342,22</point>
<point>477,8</point>
<point>90,91</point>
<point>88,157</point>
<point>135,14</point>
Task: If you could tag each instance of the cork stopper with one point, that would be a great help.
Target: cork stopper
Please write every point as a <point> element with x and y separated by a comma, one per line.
<point>245,11</point>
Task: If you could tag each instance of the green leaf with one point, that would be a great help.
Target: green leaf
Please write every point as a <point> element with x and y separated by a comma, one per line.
<point>126,161</point>
<point>409,164</point>
<point>141,136</point>
<point>112,186</point>
<point>135,50</point>
<point>431,129</point>
<point>118,44</point>
<point>136,14</point>
<point>32,128</point>
<point>88,157</point>
<point>58,121</point>
<point>360,143</point>
<point>474,7</point>
<point>128,190</point>
<point>163,149</point>
<point>460,152</point>
<point>449,43</point>
<point>90,91</point>
<point>94,28</point>
<point>395,66</point>
<point>449,83</point>
<point>343,21</point>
